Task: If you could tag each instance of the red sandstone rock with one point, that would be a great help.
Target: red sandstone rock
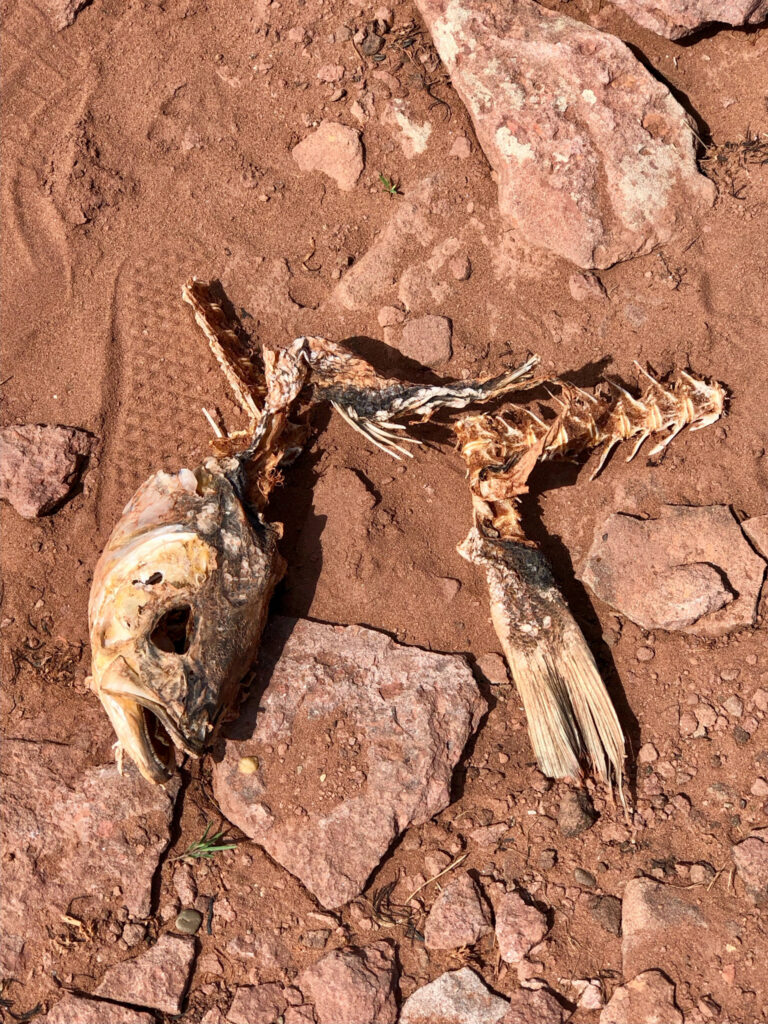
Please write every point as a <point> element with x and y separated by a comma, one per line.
<point>650,913</point>
<point>157,979</point>
<point>534,1006</point>
<point>335,150</point>
<point>677,18</point>
<point>62,12</point>
<point>353,986</point>
<point>595,159</point>
<point>409,713</point>
<point>458,917</point>
<point>72,832</point>
<point>751,859</point>
<point>427,340</point>
<point>647,999</point>
<point>78,1010</point>
<point>40,465</point>
<point>519,927</point>
<point>456,997</point>
<point>694,560</point>
<point>257,1004</point>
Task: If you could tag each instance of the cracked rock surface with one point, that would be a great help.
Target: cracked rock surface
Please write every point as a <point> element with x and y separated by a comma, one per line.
<point>678,18</point>
<point>595,159</point>
<point>396,720</point>
<point>73,835</point>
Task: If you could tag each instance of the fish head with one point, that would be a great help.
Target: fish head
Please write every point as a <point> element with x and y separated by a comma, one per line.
<point>177,607</point>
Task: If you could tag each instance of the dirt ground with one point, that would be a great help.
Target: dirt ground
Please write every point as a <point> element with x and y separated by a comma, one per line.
<point>151,141</point>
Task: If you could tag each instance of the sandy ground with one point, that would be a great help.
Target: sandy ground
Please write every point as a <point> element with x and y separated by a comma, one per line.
<point>151,141</point>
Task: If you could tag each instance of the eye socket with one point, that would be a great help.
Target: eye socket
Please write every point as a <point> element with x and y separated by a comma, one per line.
<point>172,633</point>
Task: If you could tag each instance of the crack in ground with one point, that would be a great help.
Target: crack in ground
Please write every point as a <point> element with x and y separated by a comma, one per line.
<point>174,834</point>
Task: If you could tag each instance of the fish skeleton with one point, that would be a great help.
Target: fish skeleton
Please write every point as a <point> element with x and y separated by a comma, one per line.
<point>181,591</point>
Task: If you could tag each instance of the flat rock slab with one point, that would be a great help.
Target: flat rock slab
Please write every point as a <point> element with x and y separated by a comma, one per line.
<point>595,159</point>
<point>647,999</point>
<point>73,833</point>
<point>157,979</point>
<point>458,917</point>
<point>78,1010</point>
<point>352,986</point>
<point>677,18</point>
<point>378,269</point>
<point>651,913</point>
<point>40,465</point>
<point>535,1006</point>
<point>257,1004</point>
<point>456,997</point>
<point>691,569</point>
<point>347,740</point>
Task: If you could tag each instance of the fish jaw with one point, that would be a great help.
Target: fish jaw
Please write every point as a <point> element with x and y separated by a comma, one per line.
<point>129,721</point>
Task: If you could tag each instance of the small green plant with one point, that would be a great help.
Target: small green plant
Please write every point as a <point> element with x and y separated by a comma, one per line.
<point>206,847</point>
<point>389,186</point>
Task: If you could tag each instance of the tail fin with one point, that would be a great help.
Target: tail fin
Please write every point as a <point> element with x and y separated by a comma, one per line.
<point>569,712</point>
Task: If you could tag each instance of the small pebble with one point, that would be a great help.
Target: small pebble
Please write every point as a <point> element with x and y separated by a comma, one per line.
<point>390,316</point>
<point>586,286</point>
<point>317,938</point>
<point>734,706</point>
<point>576,813</point>
<point>682,803</point>
<point>645,654</point>
<point>547,859</point>
<point>759,788</point>
<point>189,920</point>
<point>460,268</point>
<point>687,724</point>
<point>701,873</point>
<point>493,668</point>
<point>462,148</point>
<point>248,765</point>
<point>740,736</point>
<point>450,587</point>
<point>584,877</point>
<point>706,715</point>
<point>133,933</point>
<point>647,754</point>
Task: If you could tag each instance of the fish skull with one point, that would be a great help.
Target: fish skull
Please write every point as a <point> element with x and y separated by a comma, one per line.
<point>177,606</point>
